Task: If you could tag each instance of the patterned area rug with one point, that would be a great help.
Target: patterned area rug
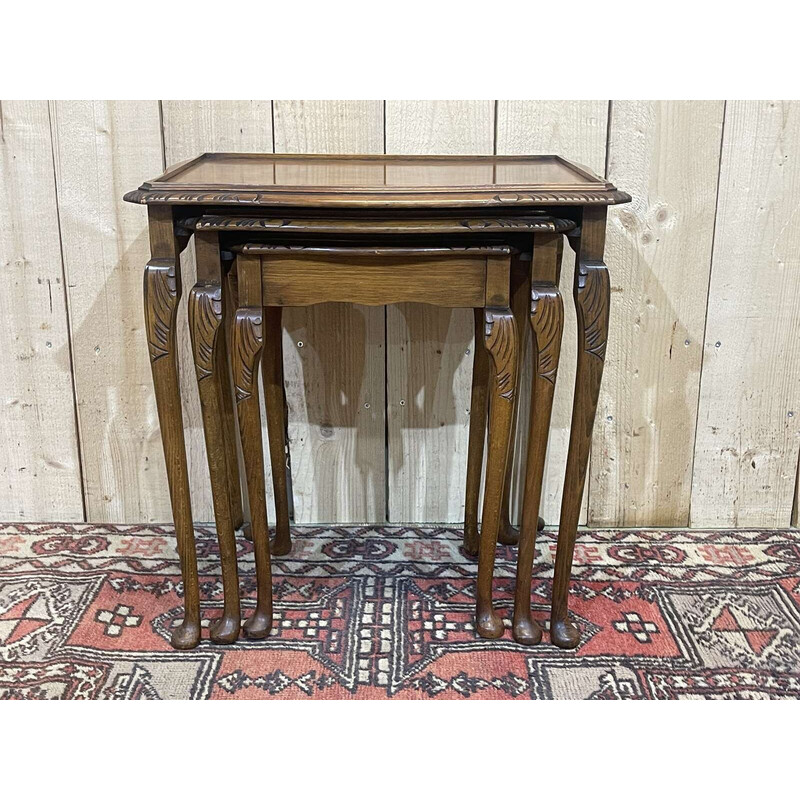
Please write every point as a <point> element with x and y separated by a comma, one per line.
<point>86,612</point>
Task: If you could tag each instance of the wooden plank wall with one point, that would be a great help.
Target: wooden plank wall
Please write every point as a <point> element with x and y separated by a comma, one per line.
<point>699,415</point>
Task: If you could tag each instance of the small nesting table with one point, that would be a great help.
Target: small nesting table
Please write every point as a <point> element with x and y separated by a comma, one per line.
<point>477,194</point>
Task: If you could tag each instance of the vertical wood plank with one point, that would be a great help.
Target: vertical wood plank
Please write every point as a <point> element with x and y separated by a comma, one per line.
<point>192,127</point>
<point>429,350</point>
<point>39,469</point>
<point>334,357</point>
<point>575,129</point>
<point>748,430</point>
<point>102,149</point>
<point>658,248</point>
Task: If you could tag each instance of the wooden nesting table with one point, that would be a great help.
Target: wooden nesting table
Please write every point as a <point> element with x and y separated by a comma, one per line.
<point>309,201</point>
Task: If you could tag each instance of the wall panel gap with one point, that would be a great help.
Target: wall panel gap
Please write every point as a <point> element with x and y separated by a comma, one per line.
<point>70,349</point>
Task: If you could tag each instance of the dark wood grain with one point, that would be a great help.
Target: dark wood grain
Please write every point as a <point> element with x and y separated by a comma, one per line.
<point>162,292</point>
<point>546,313</point>
<point>592,295</point>
<point>247,343</point>
<point>208,337</point>
<point>393,215</point>
<point>500,338</point>
<point>275,407</point>
<point>391,182</point>
<point>478,409</point>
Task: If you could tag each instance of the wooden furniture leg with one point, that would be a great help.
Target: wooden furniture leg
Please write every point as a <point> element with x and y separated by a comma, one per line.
<point>231,291</point>
<point>479,404</point>
<point>208,345</point>
<point>246,347</point>
<point>520,303</point>
<point>162,291</point>
<point>275,405</point>
<point>226,385</point>
<point>500,333</point>
<point>547,324</point>
<point>591,291</point>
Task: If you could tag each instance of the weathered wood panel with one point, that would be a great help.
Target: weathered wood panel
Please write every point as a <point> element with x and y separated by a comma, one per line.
<point>429,350</point>
<point>334,355</point>
<point>748,432</point>
<point>101,150</point>
<point>576,130</point>
<point>658,249</point>
<point>39,468</point>
<point>192,127</point>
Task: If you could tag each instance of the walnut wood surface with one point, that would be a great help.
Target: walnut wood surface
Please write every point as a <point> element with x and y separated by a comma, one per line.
<point>478,409</point>
<point>456,283</point>
<point>275,407</point>
<point>456,276</point>
<point>247,343</point>
<point>207,331</point>
<point>377,181</point>
<point>500,339</point>
<point>592,295</point>
<point>546,311</point>
<point>389,226</point>
<point>162,291</point>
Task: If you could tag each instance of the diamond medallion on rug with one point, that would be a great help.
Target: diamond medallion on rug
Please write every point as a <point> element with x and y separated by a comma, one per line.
<point>87,611</point>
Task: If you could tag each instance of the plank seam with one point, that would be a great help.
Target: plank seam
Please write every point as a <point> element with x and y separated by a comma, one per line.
<point>705,325</point>
<point>68,310</point>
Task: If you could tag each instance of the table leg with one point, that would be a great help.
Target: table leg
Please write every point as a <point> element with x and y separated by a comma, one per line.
<point>274,402</point>
<point>520,306</point>
<point>162,291</point>
<point>231,291</point>
<point>246,347</point>
<point>479,404</point>
<point>592,294</point>
<point>207,332</point>
<point>500,334</point>
<point>226,386</point>
<point>547,322</point>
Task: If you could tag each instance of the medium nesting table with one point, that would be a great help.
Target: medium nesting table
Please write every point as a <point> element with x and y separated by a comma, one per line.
<point>479,195</point>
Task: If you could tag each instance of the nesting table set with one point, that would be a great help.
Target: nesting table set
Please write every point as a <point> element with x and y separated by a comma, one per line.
<point>275,231</point>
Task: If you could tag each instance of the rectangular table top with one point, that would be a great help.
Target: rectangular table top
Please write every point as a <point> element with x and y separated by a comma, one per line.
<point>377,181</point>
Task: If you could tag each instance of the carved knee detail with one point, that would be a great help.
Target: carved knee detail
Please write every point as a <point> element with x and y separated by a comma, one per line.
<point>593,302</point>
<point>247,343</point>
<point>205,321</point>
<point>500,334</point>
<point>547,322</point>
<point>162,291</point>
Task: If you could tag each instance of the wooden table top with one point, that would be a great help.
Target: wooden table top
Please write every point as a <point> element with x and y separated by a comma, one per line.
<point>377,181</point>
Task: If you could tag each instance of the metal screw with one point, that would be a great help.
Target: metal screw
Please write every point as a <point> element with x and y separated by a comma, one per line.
<point>366,405</point>
<point>718,344</point>
<point>402,402</point>
<point>299,344</point>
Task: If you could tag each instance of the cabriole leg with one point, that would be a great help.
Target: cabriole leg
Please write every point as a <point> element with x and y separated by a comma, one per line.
<point>247,344</point>
<point>477,434</point>
<point>592,295</point>
<point>500,337</point>
<point>547,323</point>
<point>162,291</point>
<point>274,402</point>
<point>206,327</point>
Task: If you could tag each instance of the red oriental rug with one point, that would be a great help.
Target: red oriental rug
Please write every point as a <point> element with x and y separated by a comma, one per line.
<point>86,612</point>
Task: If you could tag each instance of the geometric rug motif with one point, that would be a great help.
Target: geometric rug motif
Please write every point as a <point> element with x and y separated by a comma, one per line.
<point>87,611</point>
